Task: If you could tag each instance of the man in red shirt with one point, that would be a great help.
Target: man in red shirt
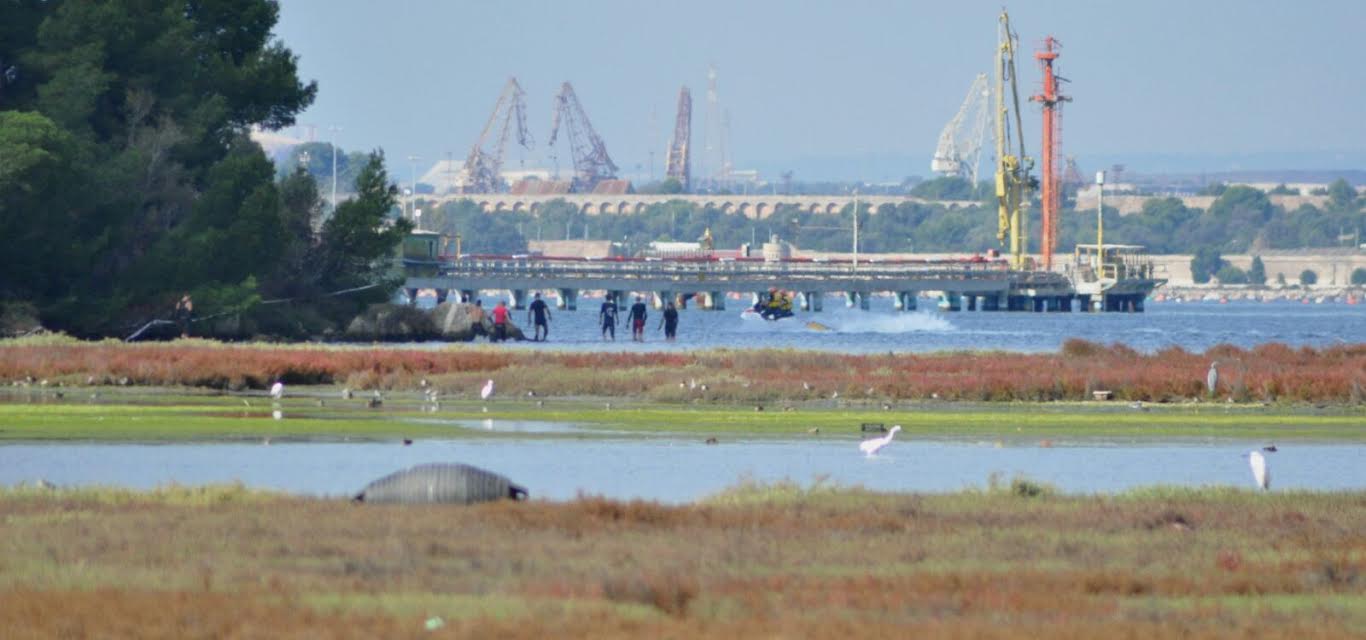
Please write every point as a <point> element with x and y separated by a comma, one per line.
<point>500,322</point>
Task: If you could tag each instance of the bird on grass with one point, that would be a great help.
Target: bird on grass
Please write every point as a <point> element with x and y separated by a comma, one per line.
<point>712,440</point>
<point>346,394</point>
<point>1261,471</point>
<point>1212,378</point>
<point>376,400</point>
<point>871,446</point>
<point>487,391</point>
<point>277,390</point>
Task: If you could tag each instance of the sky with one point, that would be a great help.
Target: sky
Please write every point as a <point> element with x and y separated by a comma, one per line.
<point>843,90</point>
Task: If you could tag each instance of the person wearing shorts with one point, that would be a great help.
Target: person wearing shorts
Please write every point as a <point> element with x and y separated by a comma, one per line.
<point>539,314</point>
<point>638,314</point>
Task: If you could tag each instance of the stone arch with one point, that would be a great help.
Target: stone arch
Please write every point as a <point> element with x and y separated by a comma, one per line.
<point>813,208</point>
<point>605,208</point>
<point>727,207</point>
<point>639,208</point>
<point>744,209</point>
<point>500,206</point>
<point>761,210</point>
<point>832,208</point>
<point>622,207</point>
<point>586,208</point>
<point>484,206</point>
<point>518,206</point>
<point>535,207</point>
<point>709,205</point>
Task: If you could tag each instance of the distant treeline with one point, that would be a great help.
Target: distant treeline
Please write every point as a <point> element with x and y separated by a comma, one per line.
<point>1241,220</point>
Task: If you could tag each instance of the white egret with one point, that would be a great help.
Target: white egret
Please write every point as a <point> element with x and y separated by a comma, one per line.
<point>1261,471</point>
<point>487,391</point>
<point>873,445</point>
<point>1212,378</point>
<point>277,390</point>
<point>346,393</point>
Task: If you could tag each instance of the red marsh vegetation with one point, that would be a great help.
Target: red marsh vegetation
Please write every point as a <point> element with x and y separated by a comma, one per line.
<point>1266,373</point>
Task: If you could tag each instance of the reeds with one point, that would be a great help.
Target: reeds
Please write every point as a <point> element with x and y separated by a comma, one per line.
<point>1267,373</point>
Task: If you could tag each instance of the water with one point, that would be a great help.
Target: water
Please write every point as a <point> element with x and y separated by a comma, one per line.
<point>681,469</point>
<point>1193,326</point>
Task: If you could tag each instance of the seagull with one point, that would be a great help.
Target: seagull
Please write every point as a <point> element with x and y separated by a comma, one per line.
<point>872,445</point>
<point>692,383</point>
<point>1261,471</point>
<point>806,386</point>
<point>834,395</point>
<point>277,390</point>
<point>487,391</point>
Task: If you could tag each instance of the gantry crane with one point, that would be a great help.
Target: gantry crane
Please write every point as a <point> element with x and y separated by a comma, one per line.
<point>1012,169</point>
<point>960,149</point>
<point>484,168</point>
<point>591,162</point>
<point>679,162</point>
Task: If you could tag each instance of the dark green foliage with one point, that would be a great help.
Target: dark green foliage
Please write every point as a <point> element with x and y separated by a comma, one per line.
<point>1256,274</point>
<point>1309,277</point>
<point>946,188</point>
<point>1205,263</point>
<point>1359,276</point>
<point>1341,195</point>
<point>1229,274</point>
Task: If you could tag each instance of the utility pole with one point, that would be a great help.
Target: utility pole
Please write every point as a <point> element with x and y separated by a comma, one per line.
<point>856,229</point>
<point>412,193</point>
<point>334,130</point>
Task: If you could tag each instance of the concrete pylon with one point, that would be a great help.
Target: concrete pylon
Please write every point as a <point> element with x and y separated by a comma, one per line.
<point>811,300</point>
<point>856,298</point>
<point>568,299</point>
<point>905,300</point>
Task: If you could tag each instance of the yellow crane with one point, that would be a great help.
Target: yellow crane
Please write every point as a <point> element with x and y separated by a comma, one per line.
<point>1012,170</point>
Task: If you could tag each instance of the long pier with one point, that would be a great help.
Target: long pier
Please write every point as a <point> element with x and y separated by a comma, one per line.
<point>969,284</point>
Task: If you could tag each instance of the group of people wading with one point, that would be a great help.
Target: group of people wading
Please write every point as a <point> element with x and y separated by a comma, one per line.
<point>538,314</point>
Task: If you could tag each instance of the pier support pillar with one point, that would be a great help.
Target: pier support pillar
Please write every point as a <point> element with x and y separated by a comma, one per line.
<point>950,301</point>
<point>661,298</point>
<point>810,300</point>
<point>518,299</point>
<point>569,299</point>
<point>620,297</point>
<point>714,300</point>
<point>412,296</point>
<point>441,295</point>
<point>971,302</point>
<point>856,298</point>
<point>991,302</point>
<point>905,300</point>
<point>468,296</point>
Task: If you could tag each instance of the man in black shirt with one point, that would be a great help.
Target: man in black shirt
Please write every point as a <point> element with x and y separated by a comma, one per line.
<point>638,320</point>
<point>670,322</point>
<point>539,314</point>
<point>608,318</point>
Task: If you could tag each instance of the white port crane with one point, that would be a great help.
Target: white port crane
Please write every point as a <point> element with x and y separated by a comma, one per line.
<point>960,148</point>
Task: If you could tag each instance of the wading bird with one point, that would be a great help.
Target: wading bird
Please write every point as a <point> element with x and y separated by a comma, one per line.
<point>1212,378</point>
<point>873,445</point>
<point>487,391</point>
<point>1261,471</point>
<point>277,390</point>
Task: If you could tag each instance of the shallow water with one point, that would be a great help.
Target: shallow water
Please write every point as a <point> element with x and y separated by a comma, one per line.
<point>1193,326</point>
<point>681,469</point>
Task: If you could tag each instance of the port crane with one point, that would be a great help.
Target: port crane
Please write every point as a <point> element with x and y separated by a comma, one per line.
<point>1013,182</point>
<point>960,147</point>
<point>484,167</point>
<point>591,162</point>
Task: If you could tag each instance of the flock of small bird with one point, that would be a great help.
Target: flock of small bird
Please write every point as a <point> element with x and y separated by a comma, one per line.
<point>1257,461</point>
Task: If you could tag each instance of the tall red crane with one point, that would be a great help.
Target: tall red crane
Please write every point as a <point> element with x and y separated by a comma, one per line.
<point>1051,171</point>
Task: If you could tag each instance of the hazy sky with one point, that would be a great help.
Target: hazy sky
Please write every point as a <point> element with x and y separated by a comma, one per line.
<point>810,80</point>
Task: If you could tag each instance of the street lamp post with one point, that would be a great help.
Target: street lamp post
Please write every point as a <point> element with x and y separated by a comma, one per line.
<point>412,199</point>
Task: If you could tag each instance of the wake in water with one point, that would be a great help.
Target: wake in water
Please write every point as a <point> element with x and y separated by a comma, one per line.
<point>848,321</point>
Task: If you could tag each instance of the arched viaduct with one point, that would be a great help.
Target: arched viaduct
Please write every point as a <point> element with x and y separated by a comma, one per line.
<point>751,206</point>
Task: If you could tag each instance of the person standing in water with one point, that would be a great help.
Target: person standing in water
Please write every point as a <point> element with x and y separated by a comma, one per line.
<point>607,317</point>
<point>638,314</point>
<point>669,322</point>
<point>539,314</point>
<point>500,322</point>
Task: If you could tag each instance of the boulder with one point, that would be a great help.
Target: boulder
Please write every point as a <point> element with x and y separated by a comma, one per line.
<point>392,323</point>
<point>455,321</point>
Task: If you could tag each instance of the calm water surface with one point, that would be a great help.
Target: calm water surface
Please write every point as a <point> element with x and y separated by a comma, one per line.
<point>674,469</point>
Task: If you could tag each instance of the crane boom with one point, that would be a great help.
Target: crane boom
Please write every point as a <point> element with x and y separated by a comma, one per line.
<point>484,168</point>
<point>591,162</point>
<point>1012,169</point>
<point>959,149</point>
<point>679,161</point>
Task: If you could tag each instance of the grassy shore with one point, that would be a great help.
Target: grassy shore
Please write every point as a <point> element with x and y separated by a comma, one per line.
<point>756,561</point>
<point>1270,373</point>
<point>320,413</point>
